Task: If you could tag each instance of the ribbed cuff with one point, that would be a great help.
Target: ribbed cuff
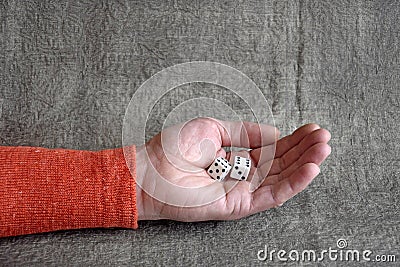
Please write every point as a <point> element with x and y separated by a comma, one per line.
<point>44,190</point>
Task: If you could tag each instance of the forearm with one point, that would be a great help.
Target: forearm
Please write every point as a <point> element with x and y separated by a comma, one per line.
<point>45,190</point>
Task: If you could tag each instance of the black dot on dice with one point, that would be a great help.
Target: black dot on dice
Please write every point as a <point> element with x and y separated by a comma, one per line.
<point>216,164</point>
<point>223,170</point>
<point>216,170</point>
<point>239,172</point>
<point>247,165</point>
<point>218,160</point>
<point>236,167</point>
<point>243,177</point>
<point>218,177</point>
<point>210,171</point>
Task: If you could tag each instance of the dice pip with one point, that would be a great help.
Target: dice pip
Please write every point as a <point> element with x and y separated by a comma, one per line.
<point>241,168</point>
<point>219,168</point>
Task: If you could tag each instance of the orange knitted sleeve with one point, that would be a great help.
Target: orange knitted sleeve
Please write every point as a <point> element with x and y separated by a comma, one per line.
<point>44,190</point>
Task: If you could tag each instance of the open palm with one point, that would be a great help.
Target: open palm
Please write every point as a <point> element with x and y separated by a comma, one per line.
<point>180,155</point>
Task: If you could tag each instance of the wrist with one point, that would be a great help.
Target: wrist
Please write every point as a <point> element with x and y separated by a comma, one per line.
<point>141,167</point>
<point>145,203</point>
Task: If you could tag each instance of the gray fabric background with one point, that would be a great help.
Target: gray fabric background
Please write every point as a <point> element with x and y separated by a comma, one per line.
<point>68,71</point>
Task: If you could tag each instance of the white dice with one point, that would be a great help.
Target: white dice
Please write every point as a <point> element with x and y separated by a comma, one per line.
<point>219,168</point>
<point>241,168</point>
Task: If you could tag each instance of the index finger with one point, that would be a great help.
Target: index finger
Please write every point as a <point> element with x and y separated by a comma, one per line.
<point>247,134</point>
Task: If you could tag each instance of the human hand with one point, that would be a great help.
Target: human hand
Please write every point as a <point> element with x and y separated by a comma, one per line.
<point>180,155</point>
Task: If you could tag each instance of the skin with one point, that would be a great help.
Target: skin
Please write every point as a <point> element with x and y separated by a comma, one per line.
<point>194,146</point>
